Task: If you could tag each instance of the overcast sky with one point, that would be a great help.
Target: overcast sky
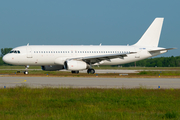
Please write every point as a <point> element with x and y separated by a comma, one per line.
<point>82,22</point>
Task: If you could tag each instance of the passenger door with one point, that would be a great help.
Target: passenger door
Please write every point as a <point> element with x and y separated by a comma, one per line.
<point>29,52</point>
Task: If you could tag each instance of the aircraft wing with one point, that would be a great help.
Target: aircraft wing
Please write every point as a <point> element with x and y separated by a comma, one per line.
<point>98,58</point>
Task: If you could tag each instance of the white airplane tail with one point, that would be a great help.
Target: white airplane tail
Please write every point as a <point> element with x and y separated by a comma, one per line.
<point>152,34</point>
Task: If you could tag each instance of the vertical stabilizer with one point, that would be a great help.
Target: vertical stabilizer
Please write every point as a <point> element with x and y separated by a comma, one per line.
<point>152,34</point>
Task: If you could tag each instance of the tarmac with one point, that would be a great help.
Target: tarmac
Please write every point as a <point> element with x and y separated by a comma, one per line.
<point>85,71</point>
<point>92,82</point>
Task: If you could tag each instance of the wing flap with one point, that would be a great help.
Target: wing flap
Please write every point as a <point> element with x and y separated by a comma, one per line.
<point>98,58</point>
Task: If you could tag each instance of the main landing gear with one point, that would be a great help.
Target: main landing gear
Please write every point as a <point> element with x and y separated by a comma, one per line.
<point>91,71</point>
<point>26,72</point>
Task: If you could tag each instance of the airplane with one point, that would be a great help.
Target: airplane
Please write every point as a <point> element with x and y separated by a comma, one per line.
<point>83,57</point>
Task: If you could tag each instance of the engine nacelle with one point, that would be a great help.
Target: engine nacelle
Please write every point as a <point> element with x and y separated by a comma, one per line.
<point>75,65</point>
<point>52,67</point>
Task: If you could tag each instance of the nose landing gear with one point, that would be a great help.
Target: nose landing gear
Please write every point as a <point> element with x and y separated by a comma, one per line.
<point>26,72</point>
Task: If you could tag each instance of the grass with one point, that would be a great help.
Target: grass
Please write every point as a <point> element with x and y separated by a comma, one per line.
<point>19,67</point>
<point>157,73</point>
<point>137,68</point>
<point>113,75</point>
<point>88,103</point>
<point>35,71</point>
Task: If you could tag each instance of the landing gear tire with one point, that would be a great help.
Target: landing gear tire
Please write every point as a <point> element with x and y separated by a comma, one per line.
<point>26,72</point>
<point>75,72</point>
<point>90,71</point>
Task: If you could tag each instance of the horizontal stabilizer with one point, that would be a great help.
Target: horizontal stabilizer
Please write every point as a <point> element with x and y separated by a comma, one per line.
<point>162,49</point>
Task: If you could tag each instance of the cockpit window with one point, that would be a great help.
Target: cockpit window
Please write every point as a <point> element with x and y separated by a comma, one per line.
<point>15,51</point>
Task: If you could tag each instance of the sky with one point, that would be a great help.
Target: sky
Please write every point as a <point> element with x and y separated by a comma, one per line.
<point>82,22</point>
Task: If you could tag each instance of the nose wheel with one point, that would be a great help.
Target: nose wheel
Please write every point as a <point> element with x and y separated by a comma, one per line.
<point>90,71</point>
<point>26,72</point>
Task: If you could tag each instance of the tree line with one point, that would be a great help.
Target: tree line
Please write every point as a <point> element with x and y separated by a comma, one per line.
<point>3,52</point>
<point>156,62</point>
<point>150,62</point>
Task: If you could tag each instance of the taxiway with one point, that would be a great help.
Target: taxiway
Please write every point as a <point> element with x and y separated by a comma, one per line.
<point>95,82</point>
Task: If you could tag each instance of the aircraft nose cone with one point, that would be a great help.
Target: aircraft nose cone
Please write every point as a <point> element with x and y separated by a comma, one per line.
<point>6,59</point>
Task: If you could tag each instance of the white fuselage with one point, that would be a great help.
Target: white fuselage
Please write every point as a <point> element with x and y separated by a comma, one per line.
<point>58,54</point>
<point>75,58</point>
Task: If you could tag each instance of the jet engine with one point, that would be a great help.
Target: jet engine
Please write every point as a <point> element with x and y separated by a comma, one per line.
<point>52,67</point>
<point>75,65</point>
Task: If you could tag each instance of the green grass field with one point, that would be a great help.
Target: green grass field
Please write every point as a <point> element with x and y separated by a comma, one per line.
<point>35,70</point>
<point>89,104</point>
